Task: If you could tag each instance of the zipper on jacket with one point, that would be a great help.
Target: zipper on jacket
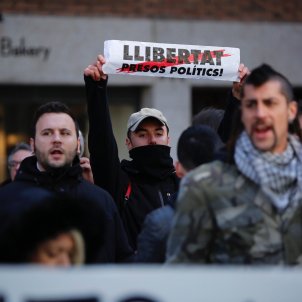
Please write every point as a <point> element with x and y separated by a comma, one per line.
<point>161,198</point>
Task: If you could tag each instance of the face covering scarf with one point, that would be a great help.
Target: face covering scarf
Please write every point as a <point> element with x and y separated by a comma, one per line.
<point>153,160</point>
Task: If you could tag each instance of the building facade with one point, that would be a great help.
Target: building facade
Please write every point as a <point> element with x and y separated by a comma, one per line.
<point>45,46</point>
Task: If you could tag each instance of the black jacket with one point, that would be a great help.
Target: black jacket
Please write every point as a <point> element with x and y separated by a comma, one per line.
<point>115,247</point>
<point>147,189</point>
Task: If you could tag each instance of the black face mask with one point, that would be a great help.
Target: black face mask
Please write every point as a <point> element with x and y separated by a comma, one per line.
<point>152,160</point>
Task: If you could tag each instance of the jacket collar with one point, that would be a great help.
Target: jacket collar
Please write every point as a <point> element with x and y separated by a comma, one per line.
<point>28,171</point>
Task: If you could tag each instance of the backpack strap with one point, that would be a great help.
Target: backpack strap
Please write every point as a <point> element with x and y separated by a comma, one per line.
<point>128,192</point>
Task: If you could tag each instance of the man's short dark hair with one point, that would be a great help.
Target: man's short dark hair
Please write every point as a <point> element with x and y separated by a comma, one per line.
<point>197,145</point>
<point>265,73</point>
<point>53,107</point>
<point>209,116</point>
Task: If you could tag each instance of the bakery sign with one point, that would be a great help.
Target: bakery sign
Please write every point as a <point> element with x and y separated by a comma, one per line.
<point>20,48</point>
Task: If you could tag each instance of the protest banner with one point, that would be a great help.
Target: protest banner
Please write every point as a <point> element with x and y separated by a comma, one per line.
<point>150,283</point>
<point>171,60</point>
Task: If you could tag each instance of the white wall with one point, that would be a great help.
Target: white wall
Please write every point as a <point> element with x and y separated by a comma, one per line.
<point>74,42</point>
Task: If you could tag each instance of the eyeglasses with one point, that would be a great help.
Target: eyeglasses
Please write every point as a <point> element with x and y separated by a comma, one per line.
<point>13,164</point>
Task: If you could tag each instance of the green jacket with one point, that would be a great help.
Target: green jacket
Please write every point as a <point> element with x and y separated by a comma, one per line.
<point>223,217</point>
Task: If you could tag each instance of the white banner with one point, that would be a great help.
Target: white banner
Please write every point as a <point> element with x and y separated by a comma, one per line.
<point>151,284</point>
<point>171,60</point>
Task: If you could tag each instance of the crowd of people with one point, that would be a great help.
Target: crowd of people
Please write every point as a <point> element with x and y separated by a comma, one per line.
<point>233,197</point>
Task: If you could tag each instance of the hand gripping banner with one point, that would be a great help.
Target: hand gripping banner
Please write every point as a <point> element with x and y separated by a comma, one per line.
<point>171,60</point>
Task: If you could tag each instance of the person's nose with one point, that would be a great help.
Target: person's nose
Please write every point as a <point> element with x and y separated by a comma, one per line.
<point>56,137</point>
<point>261,111</point>
<point>17,166</point>
<point>64,260</point>
<point>152,139</point>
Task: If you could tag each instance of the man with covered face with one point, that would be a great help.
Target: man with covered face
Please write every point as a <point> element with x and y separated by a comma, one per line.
<point>148,180</point>
<point>249,211</point>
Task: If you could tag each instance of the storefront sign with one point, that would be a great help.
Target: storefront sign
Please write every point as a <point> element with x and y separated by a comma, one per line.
<point>21,48</point>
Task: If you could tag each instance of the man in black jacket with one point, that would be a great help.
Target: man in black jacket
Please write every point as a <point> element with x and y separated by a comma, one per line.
<point>197,145</point>
<point>143,184</point>
<point>56,167</point>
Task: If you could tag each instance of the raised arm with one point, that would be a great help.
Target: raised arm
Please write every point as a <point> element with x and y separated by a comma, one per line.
<point>233,103</point>
<point>101,141</point>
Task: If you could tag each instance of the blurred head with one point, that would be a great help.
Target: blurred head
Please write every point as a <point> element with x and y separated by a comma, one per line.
<point>43,226</point>
<point>267,108</point>
<point>56,136</point>
<point>211,117</point>
<point>15,157</point>
<point>147,127</point>
<point>65,249</point>
<point>197,145</point>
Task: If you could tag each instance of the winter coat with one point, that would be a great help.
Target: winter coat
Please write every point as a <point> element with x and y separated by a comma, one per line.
<point>70,181</point>
<point>223,217</point>
<point>152,241</point>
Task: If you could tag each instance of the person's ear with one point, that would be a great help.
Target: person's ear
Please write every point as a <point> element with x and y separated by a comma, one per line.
<point>128,143</point>
<point>168,141</point>
<point>79,146</point>
<point>179,169</point>
<point>292,110</point>
<point>32,144</point>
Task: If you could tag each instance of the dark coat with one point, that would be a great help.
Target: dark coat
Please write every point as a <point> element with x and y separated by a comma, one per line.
<point>5,182</point>
<point>148,190</point>
<point>152,241</point>
<point>14,197</point>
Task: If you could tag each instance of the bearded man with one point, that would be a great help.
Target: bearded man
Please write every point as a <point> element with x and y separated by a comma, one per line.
<point>56,167</point>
